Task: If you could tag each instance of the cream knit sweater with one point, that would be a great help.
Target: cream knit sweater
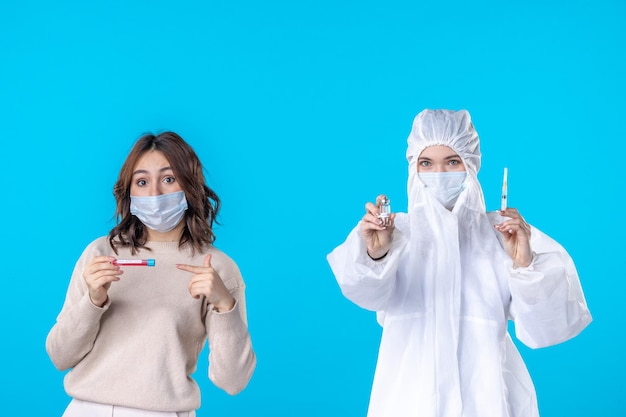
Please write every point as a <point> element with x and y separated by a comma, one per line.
<point>140,349</point>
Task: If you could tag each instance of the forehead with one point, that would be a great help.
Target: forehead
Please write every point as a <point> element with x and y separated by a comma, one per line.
<point>438,152</point>
<point>151,160</point>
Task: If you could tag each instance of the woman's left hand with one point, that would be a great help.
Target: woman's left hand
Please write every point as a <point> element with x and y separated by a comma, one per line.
<point>516,234</point>
<point>206,281</point>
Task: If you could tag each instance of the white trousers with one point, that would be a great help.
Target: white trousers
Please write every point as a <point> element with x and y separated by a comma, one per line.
<point>79,408</point>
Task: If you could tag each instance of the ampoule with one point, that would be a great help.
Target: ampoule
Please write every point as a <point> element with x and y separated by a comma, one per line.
<point>384,211</point>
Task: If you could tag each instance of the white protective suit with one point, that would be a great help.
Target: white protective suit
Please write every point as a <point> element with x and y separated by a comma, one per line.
<point>446,290</point>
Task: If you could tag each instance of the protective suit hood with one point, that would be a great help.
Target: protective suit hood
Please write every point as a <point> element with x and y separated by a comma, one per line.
<point>448,128</point>
<point>455,130</point>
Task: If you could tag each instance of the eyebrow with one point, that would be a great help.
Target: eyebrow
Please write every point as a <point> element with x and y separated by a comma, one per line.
<point>446,158</point>
<point>143,171</point>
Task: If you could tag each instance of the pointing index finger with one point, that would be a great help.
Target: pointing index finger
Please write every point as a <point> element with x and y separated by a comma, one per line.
<point>191,268</point>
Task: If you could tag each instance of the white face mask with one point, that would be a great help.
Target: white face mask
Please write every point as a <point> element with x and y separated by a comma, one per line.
<point>445,186</point>
<point>160,212</point>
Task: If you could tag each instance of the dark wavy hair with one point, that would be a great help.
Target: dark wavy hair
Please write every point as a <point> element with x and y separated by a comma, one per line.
<point>203,204</point>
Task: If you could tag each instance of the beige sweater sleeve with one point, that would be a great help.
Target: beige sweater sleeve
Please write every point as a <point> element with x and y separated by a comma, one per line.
<point>231,358</point>
<point>77,326</point>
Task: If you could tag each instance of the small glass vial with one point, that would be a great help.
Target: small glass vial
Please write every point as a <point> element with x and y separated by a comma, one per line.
<point>384,211</point>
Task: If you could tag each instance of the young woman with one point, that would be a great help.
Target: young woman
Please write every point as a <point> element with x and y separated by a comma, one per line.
<point>131,335</point>
<point>446,277</point>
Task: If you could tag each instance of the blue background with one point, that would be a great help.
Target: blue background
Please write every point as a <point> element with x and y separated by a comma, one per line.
<point>300,112</point>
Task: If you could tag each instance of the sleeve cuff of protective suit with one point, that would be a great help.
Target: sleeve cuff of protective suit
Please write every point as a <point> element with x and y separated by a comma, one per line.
<point>523,269</point>
<point>540,280</point>
<point>363,258</point>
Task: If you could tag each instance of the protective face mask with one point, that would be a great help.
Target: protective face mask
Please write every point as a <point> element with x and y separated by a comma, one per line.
<point>445,186</point>
<point>160,212</point>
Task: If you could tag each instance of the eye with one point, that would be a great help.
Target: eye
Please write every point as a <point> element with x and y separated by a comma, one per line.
<point>141,183</point>
<point>424,163</point>
<point>169,180</point>
<point>454,162</point>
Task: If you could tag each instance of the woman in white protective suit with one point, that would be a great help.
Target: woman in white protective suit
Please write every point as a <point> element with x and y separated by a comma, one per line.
<point>446,277</point>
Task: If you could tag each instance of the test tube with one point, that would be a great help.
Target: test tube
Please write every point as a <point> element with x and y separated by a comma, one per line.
<point>384,211</point>
<point>134,262</point>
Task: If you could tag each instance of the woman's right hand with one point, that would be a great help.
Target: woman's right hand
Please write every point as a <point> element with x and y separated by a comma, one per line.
<point>377,236</point>
<point>99,274</point>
